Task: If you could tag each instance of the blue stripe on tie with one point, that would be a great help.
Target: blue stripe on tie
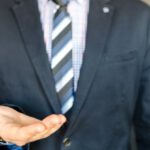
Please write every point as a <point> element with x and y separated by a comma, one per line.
<point>62,63</point>
<point>62,34</point>
<point>61,43</point>
<point>66,88</point>
<point>63,70</point>
<point>67,96</point>
<point>60,16</point>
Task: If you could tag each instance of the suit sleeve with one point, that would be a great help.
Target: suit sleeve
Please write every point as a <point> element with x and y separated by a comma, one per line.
<point>17,108</point>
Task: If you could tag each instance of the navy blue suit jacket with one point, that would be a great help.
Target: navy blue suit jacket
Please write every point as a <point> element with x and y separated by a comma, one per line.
<point>114,87</point>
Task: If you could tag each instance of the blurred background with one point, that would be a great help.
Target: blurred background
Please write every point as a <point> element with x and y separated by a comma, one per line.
<point>147,1</point>
<point>133,135</point>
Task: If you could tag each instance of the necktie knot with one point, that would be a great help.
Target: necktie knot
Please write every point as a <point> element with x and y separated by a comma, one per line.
<point>62,3</point>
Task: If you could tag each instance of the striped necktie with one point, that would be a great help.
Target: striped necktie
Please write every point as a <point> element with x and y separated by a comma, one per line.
<point>62,46</point>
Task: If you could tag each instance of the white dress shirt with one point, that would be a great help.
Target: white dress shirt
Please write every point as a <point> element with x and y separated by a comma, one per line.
<point>78,10</point>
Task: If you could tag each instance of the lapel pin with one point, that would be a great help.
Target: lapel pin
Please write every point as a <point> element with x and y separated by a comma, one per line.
<point>106,10</point>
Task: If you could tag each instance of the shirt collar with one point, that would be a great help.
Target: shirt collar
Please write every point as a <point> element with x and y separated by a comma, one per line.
<point>42,3</point>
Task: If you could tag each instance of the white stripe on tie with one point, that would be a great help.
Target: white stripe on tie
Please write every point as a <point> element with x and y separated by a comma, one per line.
<point>61,26</point>
<point>67,105</point>
<point>64,80</point>
<point>63,52</point>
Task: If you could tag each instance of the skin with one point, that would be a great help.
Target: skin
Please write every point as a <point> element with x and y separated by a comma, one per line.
<point>27,129</point>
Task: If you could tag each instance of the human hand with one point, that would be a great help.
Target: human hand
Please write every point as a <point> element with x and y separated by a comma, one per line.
<point>20,129</point>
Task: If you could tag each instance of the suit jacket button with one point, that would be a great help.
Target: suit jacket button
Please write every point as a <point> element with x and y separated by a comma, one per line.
<point>67,142</point>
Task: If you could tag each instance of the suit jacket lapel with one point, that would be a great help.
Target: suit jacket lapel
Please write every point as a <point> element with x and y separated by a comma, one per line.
<point>99,23</point>
<point>28,19</point>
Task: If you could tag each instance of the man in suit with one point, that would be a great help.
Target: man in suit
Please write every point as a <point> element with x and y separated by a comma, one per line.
<point>107,85</point>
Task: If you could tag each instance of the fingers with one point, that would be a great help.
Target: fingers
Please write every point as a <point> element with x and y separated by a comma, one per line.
<point>54,120</point>
<point>53,123</point>
<point>27,120</point>
<point>15,133</point>
<point>27,132</point>
<point>45,134</point>
<point>21,134</point>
